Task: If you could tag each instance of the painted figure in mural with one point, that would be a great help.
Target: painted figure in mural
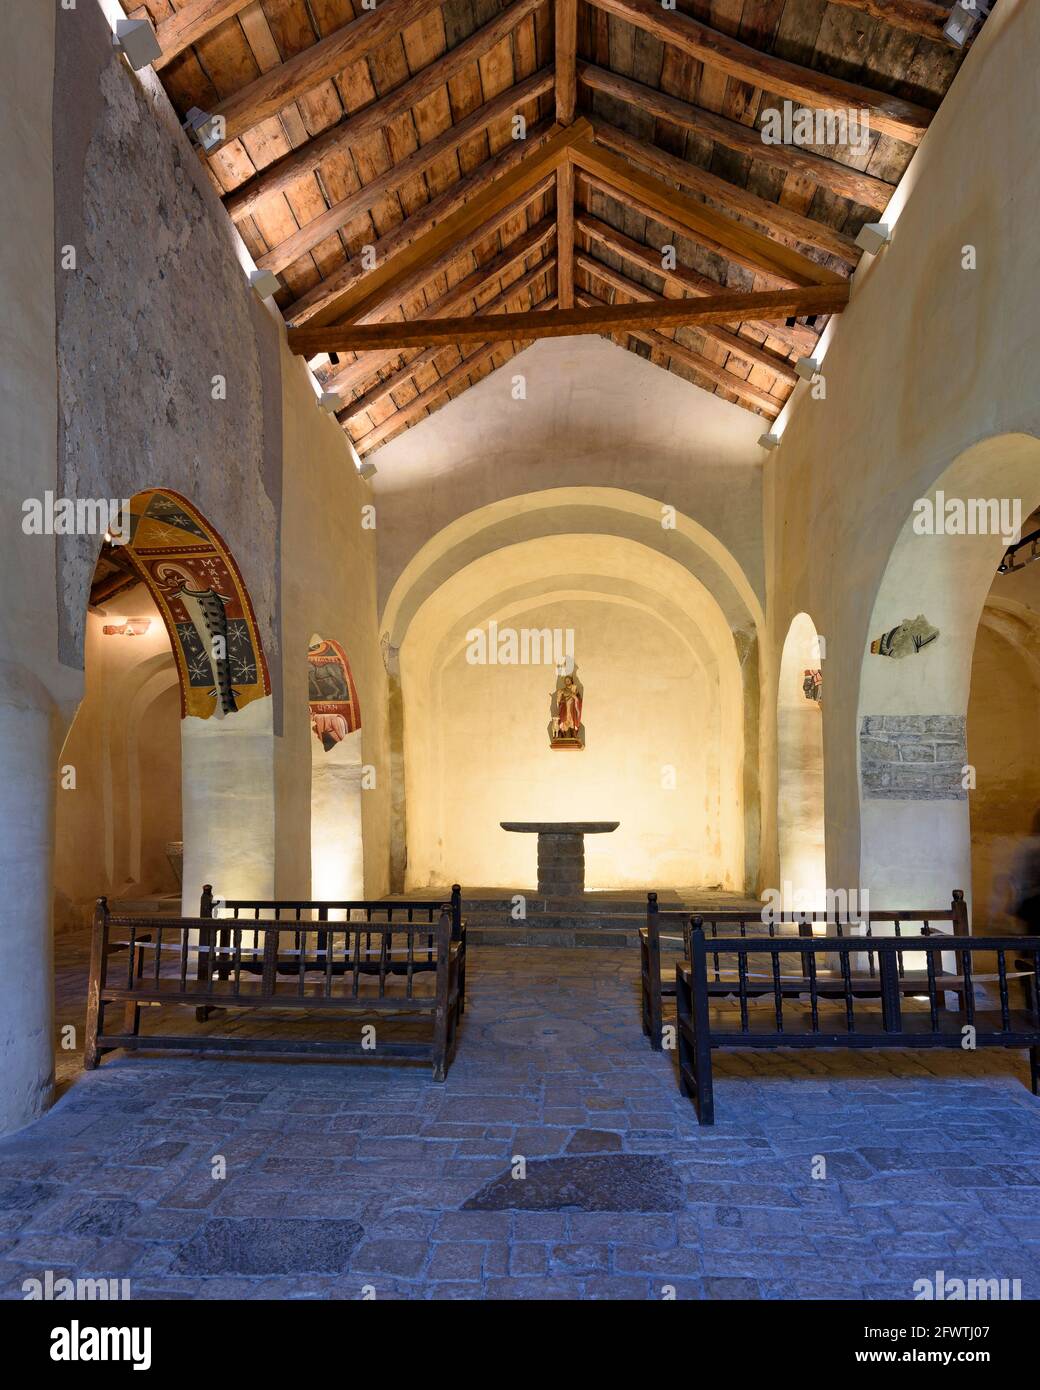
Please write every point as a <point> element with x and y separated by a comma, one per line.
<point>812,686</point>
<point>565,727</point>
<point>907,639</point>
<point>331,693</point>
<point>207,614</point>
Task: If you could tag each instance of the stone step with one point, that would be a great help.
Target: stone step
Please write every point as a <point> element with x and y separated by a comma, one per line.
<point>525,934</point>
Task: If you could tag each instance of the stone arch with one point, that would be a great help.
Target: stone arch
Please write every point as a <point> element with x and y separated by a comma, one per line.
<point>915,840</point>
<point>800,769</point>
<point>200,594</point>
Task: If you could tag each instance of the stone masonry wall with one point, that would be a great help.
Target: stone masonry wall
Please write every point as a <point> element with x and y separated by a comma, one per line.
<point>913,757</point>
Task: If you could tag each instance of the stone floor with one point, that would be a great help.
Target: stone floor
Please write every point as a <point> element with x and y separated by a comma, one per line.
<point>346,1181</point>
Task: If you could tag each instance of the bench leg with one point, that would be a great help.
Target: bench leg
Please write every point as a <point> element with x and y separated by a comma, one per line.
<point>1034,1068</point>
<point>694,1057</point>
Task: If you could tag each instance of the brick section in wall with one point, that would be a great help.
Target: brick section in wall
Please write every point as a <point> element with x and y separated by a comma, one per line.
<point>912,757</point>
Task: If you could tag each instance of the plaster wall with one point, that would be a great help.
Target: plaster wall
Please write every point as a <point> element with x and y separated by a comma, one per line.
<point>929,361</point>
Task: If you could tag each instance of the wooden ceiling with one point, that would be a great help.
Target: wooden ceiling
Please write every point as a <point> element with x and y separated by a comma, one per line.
<point>410,169</point>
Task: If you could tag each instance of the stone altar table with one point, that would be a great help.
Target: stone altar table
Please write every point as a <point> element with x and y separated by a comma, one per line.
<point>561,851</point>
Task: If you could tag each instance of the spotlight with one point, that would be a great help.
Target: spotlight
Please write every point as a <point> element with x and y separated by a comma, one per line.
<point>330,401</point>
<point>265,283</point>
<point>208,131</point>
<point>807,368</point>
<point>963,18</point>
<point>136,40</point>
<point>768,441</point>
<point>872,236</point>
<point>367,469</point>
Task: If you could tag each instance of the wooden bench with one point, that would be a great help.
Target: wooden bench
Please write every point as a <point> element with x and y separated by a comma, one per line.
<point>861,1011</point>
<point>657,982</point>
<point>306,915</point>
<point>368,966</point>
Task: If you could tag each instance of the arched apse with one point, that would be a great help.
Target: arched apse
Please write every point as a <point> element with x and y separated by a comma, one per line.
<point>800,789</point>
<point>199,592</point>
<point>915,763</point>
<point>658,533</point>
<point>337,857</point>
<point>663,713</point>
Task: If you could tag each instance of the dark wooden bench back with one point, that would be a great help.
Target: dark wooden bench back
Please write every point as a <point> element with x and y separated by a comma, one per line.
<point>405,911</point>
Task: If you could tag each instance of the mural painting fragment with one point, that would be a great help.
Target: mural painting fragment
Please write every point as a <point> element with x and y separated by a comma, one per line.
<point>331,693</point>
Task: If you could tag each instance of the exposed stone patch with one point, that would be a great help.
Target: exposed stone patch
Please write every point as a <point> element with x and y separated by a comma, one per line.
<point>266,1245</point>
<point>913,757</point>
<point>594,1141</point>
<point>615,1182</point>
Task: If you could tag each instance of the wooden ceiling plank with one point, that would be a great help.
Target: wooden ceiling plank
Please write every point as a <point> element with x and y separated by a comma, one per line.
<point>736,240</point>
<point>752,353</point>
<point>342,213</point>
<point>497,197</point>
<point>889,114</point>
<point>354,374</point>
<point>689,282</point>
<point>383,388</point>
<point>322,60</point>
<point>922,17</point>
<point>747,140</point>
<point>774,217</point>
<point>566,56</point>
<point>333,297</point>
<point>724,308</point>
<point>191,22</point>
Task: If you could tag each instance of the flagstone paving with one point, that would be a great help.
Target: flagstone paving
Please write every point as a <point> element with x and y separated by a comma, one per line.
<point>221,1178</point>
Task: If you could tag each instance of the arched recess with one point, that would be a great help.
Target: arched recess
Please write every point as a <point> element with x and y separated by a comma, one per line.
<point>657,533</point>
<point>663,710</point>
<point>915,763</point>
<point>800,781</point>
<point>337,857</point>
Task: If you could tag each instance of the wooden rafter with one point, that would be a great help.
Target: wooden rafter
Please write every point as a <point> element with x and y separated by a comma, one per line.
<point>566,57</point>
<point>891,115</point>
<point>355,374</point>
<point>427,398</point>
<point>268,94</point>
<point>724,308</point>
<point>335,296</point>
<point>796,339</point>
<point>383,388</point>
<point>751,396</point>
<point>565,234</point>
<point>724,233</point>
<point>192,22</point>
<point>424,257</point>
<point>341,214</point>
<point>922,17</point>
<point>777,220</point>
<point>358,126</point>
<point>791,159</point>
<point>751,353</point>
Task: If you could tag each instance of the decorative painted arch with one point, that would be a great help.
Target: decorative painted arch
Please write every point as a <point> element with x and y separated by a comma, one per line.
<point>198,589</point>
<point>332,694</point>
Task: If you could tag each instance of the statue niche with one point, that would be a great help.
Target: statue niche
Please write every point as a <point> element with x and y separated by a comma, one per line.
<point>565,727</point>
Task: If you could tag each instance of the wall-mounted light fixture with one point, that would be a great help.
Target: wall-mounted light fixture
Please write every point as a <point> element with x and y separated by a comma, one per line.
<point>808,368</point>
<point>330,401</point>
<point>963,18</point>
<point>768,441</point>
<point>205,128</point>
<point>265,282</point>
<point>137,41</point>
<point>367,469</point>
<point>873,236</point>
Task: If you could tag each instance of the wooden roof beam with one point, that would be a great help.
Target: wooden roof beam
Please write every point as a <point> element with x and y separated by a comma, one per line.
<point>791,159</point>
<point>284,172</point>
<point>797,339</point>
<point>779,366</point>
<point>777,220</point>
<point>192,22</point>
<point>559,323</point>
<point>274,90</point>
<point>354,374</point>
<point>922,17</point>
<point>341,214</point>
<point>383,388</point>
<point>888,114</point>
<point>565,19</point>
<point>718,230</point>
